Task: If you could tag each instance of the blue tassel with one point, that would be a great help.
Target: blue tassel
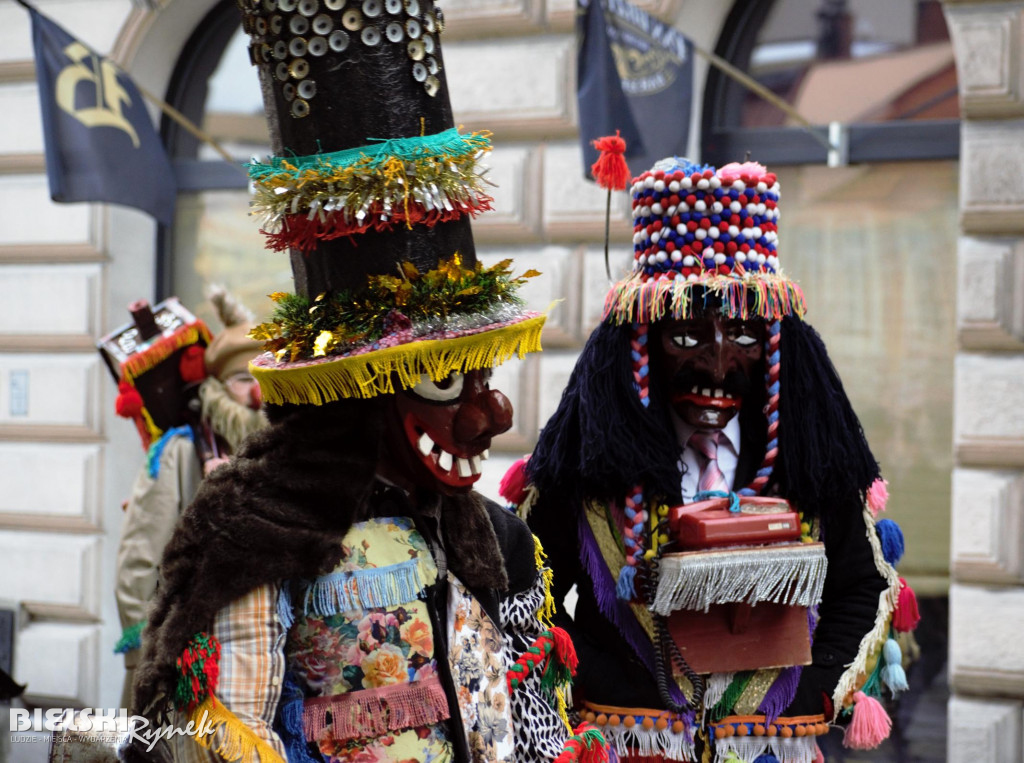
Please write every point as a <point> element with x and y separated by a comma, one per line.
<point>891,537</point>
<point>157,448</point>
<point>895,678</point>
<point>285,611</point>
<point>625,589</point>
<point>892,653</point>
<point>389,586</point>
<point>288,723</point>
<point>766,758</point>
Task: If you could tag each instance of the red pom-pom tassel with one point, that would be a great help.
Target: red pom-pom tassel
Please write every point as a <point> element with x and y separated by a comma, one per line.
<point>192,365</point>
<point>513,485</point>
<point>610,170</point>
<point>906,615</point>
<point>129,402</point>
<point>565,652</point>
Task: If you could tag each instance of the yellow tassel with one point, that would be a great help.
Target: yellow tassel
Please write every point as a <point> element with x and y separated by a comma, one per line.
<point>373,373</point>
<point>562,707</point>
<point>229,737</point>
<point>155,432</point>
<point>547,609</point>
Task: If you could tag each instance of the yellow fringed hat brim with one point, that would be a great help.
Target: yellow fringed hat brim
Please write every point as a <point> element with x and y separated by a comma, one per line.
<point>751,295</point>
<point>366,375</point>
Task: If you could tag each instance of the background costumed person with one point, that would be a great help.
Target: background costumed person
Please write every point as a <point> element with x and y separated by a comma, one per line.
<point>700,402</point>
<point>228,403</point>
<point>338,590</point>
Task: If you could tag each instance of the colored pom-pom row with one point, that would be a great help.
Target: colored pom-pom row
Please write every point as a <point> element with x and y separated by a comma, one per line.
<point>784,730</point>
<point>646,722</point>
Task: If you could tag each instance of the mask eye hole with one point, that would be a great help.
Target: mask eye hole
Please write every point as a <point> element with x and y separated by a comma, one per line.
<point>684,340</point>
<point>444,391</point>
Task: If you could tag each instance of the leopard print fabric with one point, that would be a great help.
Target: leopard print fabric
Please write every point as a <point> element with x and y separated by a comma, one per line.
<point>539,731</point>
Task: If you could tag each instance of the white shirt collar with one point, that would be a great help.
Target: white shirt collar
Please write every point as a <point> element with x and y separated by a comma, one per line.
<point>730,433</point>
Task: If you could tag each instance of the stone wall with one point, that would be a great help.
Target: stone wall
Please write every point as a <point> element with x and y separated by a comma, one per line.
<point>987,550</point>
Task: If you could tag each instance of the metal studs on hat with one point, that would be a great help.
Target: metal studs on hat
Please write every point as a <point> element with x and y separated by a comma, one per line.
<point>261,26</point>
<point>297,47</point>
<point>412,7</point>
<point>419,72</point>
<point>370,36</point>
<point>280,50</point>
<point>432,66</point>
<point>287,5</point>
<point>299,68</point>
<point>352,20</point>
<point>269,5</point>
<point>394,32</point>
<point>416,50</point>
<point>300,108</point>
<point>298,24</point>
<point>413,29</point>
<point>281,72</point>
<point>334,5</point>
<point>428,44</point>
<point>432,85</point>
<point>394,7</point>
<point>309,7</point>
<point>323,24</point>
<point>372,8</point>
<point>317,46</point>
<point>428,23</point>
<point>288,91</point>
<point>276,24</point>
<point>338,40</point>
<point>306,89</point>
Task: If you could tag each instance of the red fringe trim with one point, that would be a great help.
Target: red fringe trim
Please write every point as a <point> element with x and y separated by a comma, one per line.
<point>303,232</point>
<point>372,712</point>
<point>162,349</point>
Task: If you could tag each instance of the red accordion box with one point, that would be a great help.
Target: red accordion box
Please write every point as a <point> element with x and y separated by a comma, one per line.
<point>710,524</point>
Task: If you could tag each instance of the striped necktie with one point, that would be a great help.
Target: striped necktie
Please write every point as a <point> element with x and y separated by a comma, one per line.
<point>711,477</point>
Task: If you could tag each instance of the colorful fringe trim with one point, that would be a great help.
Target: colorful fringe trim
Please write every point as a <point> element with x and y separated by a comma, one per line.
<point>638,733</point>
<point>872,642</point>
<point>373,712</point>
<point>372,373</point>
<point>640,299</point>
<point>793,575</point>
<point>162,349</point>
<point>198,671</point>
<point>131,638</point>
<point>547,608</point>
<point>345,591</point>
<point>223,733</point>
<point>300,200</point>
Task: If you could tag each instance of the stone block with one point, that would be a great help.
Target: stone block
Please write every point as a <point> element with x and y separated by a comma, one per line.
<point>561,13</point>
<point>987,535</point>
<point>21,129</point>
<point>517,380</point>
<point>555,369</point>
<point>51,574</point>
<point>574,208</point>
<point>984,641</point>
<point>992,177</point>
<point>515,172</point>
<point>988,421</point>
<point>986,41</point>
<point>50,486</point>
<point>557,287</point>
<point>494,469</point>
<point>50,394</point>
<point>990,299</point>
<point>596,282</point>
<point>487,18</point>
<point>980,730</point>
<point>27,216</point>
<point>522,88</point>
<point>59,662</point>
<point>43,306</point>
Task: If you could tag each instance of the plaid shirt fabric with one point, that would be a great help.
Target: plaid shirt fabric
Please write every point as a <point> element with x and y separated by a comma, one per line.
<point>252,667</point>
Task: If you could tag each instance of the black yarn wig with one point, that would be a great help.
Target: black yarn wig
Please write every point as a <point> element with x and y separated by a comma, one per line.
<point>601,441</point>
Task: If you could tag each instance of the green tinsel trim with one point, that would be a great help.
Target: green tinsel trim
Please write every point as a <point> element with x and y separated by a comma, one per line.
<point>338,323</point>
<point>725,705</point>
<point>131,638</point>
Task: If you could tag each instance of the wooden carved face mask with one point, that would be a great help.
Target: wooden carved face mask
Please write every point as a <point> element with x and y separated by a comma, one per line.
<point>445,429</point>
<point>708,365</point>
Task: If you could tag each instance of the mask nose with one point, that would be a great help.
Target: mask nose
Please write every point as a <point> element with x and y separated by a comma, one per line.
<point>255,397</point>
<point>485,415</point>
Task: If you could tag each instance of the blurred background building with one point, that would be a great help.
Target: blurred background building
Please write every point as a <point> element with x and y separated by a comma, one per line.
<point>911,257</point>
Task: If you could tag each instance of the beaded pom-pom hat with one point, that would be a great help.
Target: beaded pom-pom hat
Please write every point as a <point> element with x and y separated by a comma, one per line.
<point>372,190</point>
<point>697,232</point>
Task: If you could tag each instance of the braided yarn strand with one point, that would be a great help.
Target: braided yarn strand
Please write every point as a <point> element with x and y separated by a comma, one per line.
<point>641,365</point>
<point>771,411</point>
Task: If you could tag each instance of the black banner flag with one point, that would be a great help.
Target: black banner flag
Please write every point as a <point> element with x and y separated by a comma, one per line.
<point>100,142</point>
<point>636,76</point>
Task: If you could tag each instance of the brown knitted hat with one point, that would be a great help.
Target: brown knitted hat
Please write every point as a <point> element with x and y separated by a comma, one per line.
<point>231,350</point>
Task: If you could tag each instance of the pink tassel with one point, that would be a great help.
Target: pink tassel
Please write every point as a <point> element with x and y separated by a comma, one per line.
<point>513,485</point>
<point>819,756</point>
<point>906,615</point>
<point>870,724</point>
<point>878,496</point>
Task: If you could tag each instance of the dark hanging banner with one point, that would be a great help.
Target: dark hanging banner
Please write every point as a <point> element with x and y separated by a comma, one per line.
<point>635,76</point>
<point>100,142</point>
